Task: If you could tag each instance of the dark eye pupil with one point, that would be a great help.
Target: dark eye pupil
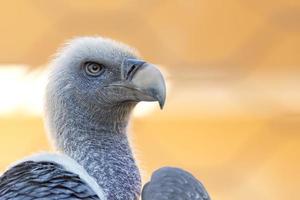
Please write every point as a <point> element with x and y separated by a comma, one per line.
<point>95,68</point>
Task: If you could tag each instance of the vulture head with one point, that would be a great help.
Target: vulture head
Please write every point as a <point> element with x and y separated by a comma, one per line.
<point>102,79</point>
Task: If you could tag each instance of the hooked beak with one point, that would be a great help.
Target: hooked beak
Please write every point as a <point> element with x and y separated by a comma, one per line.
<point>145,80</point>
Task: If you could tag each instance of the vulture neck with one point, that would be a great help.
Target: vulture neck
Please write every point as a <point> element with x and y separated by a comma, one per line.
<point>97,140</point>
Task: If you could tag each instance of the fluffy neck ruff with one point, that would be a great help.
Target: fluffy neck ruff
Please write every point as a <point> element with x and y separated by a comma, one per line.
<point>96,138</point>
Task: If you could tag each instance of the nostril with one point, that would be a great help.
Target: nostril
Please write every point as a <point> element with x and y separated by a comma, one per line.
<point>130,67</point>
<point>131,71</point>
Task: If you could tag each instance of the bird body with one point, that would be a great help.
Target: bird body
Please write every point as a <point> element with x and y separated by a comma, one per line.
<point>93,86</point>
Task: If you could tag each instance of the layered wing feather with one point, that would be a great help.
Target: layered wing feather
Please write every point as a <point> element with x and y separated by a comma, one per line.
<point>174,184</point>
<point>31,180</point>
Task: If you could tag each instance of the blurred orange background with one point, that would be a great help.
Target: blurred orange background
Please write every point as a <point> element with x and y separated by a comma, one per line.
<point>232,115</point>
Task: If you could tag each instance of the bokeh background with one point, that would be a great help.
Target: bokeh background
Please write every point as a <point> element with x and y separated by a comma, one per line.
<point>232,115</point>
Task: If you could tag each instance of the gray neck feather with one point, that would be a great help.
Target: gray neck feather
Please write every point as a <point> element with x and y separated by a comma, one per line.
<point>97,139</point>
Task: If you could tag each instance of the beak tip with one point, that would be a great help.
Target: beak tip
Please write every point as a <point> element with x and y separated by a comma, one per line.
<point>161,102</point>
<point>161,105</point>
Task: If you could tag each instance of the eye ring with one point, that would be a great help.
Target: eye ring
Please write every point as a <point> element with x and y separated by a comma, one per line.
<point>93,68</point>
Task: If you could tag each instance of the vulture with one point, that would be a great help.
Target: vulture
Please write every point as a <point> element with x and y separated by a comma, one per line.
<point>94,83</point>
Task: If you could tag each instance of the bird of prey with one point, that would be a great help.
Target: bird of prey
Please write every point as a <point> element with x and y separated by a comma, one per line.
<point>93,86</point>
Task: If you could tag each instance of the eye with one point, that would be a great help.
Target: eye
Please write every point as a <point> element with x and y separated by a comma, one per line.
<point>93,69</point>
